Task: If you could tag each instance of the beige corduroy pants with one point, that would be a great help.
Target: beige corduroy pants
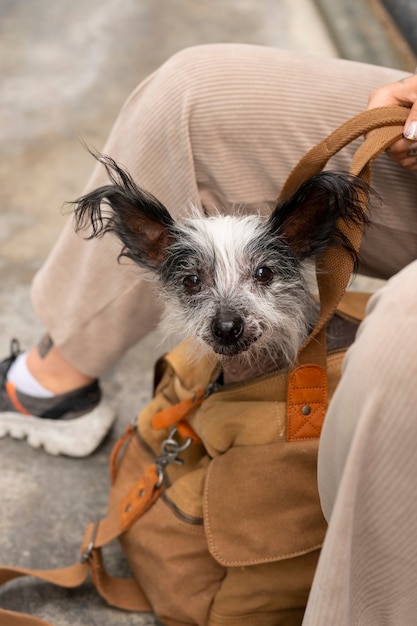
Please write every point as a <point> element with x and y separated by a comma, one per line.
<point>217,125</point>
<point>221,126</point>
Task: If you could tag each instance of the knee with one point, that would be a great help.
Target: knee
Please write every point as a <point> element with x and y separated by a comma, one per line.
<point>206,71</point>
<point>193,71</point>
<point>177,84</point>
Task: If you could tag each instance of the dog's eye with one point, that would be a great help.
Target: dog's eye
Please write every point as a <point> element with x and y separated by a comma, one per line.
<point>192,282</point>
<point>263,274</point>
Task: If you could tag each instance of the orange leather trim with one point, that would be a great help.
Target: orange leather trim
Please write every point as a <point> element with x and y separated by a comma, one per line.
<point>11,392</point>
<point>141,496</point>
<point>306,402</point>
<point>177,412</point>
<point>187,432</point>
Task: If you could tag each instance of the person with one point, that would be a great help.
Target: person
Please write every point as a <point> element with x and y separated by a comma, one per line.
<point>221,126</point>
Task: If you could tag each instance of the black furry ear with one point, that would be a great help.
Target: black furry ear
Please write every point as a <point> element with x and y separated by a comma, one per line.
<point>308,220</point>
<point>138,219</point>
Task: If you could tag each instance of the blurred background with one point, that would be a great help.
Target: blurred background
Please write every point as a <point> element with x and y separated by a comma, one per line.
<point>66,68</point>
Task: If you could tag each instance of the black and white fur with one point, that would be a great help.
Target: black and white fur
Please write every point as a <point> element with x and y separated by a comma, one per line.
<point>236,284</point>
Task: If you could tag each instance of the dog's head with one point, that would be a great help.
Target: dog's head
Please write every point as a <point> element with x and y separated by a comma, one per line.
<point>238,284</point>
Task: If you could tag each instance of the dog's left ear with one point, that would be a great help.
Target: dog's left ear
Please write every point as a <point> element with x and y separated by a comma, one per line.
<point>308,220</point>
<point>142,223</point>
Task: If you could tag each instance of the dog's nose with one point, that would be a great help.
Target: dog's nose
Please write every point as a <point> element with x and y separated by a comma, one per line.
<point>227,327</point>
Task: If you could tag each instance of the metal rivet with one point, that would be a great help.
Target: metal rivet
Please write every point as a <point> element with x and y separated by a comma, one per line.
<point>306,410</point>
<point>141,493</point>
<point>127,508</point>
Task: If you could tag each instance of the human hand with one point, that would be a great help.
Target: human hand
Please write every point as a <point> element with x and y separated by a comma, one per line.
<point>403,93</point>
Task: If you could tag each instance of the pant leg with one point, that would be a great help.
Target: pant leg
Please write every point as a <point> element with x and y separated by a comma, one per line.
<point>220,125</point>
<point>367,472</point>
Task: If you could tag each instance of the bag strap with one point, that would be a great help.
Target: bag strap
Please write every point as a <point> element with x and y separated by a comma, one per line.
<point>336,266</point>
<point>123,593</point>
<point>307,394</point>
<point>317,157</point>
<point>126,593</point>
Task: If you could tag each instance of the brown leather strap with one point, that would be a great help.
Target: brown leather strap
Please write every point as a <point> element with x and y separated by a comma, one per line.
<point>177,412</point>
<point>336,265</point>
<point>316,159</point>
<point>11,618</point>
<point>123,593</point>
<point>69,577</point>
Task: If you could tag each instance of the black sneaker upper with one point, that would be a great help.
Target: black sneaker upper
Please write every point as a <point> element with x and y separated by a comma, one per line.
<point>63,406</point>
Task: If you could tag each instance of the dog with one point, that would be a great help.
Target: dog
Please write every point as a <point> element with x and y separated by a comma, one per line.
<point>238,286</point>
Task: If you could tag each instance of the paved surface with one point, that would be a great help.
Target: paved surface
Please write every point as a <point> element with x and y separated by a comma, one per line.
<point>66,68</point>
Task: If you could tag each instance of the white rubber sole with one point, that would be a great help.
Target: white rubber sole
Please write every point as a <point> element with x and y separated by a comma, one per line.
<point>77,437</point>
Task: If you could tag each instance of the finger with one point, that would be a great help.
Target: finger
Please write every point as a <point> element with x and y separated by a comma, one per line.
<point>394,94</point>
<point>401,92</point>
<point>410,128</point>
<point>412,150</point>
<point>404,93</point>
<point>401,148</point>
<point>405,159</point>
<point>409,163</point>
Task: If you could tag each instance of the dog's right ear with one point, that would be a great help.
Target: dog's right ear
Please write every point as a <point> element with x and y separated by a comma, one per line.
<point>139,220</point>
<point>309,220</point>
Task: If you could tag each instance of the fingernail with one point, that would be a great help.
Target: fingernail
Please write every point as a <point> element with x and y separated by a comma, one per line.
<point>411,131</point>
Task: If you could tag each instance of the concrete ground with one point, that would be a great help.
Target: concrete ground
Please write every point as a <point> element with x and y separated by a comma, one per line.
<point>66,68</point>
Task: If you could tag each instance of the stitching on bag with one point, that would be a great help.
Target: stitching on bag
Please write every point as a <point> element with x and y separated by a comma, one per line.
<point>295,406</point>
<point>269,559</point>
<point>308,421</point>
<point>231,620</point>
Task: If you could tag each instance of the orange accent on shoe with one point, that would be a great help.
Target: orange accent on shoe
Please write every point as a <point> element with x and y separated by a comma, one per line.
<point>11,392</point>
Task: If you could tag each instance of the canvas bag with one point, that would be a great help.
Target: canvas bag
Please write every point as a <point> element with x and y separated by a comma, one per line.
<point>232,535</point>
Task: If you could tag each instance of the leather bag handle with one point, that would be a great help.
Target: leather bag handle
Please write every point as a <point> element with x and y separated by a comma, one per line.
<point>336,265</point>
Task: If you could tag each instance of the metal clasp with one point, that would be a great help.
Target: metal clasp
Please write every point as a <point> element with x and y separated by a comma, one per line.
<point>87,554</point>
<point>170,449</point>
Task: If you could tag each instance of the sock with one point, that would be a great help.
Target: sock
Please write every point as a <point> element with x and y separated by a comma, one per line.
<point>24,381</point>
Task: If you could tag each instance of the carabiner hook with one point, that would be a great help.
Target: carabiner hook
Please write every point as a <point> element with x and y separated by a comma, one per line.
<point>170,449</point>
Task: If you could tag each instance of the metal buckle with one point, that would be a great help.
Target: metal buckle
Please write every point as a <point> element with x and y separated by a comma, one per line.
<point>87,554</point>
<point>170,449</point>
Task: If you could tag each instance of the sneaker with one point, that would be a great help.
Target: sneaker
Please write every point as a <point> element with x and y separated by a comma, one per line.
<point>73,423</point>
